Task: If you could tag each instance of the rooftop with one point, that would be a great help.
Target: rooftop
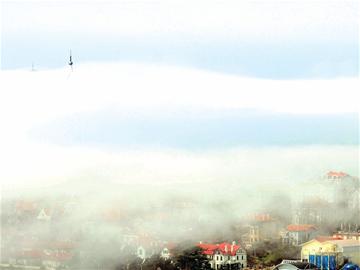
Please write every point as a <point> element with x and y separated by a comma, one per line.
<point>300,227</point>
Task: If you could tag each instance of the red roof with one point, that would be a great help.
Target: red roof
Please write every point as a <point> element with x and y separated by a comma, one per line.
<point>300,227</point>
<point>39,254</point>
<point>327,238</point>
<point>61,245</point>
<point>30,254</point>
<point>58,256</point>
<point>25,206</point>
<point>263,217</point>
<point>223,248</point>
<point>336,174</point>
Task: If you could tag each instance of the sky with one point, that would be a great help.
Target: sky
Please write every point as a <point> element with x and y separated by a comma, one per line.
<point>286,39</point>
<point>177,91</point>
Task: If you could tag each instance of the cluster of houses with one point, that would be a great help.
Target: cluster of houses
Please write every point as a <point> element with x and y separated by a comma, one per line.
<point>44,242</point>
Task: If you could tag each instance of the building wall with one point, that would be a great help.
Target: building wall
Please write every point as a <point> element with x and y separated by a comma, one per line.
<point>297,238</point>
<point>352,254</point>
<point>218,260</point>
<point>315,248</point>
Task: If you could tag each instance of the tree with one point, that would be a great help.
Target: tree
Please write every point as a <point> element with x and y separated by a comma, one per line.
<point>192,259</point>
<point>273,252</point>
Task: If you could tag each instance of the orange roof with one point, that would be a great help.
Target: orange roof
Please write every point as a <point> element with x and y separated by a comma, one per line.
<point>327,238</point>
<point>25,206</point>
<point>300,227</point>
<point>262,217</point>
<point>336,174</point>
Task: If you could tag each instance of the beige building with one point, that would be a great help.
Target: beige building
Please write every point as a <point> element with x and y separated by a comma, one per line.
<point>330,254</point>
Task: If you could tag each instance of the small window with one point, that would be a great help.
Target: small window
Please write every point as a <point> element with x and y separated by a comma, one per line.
<point>221,258</point>
<point>237,257</point>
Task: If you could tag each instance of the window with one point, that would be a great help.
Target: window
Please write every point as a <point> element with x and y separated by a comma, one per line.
<point>228,257</point>
<point>221,258</point>
<point>217,257</point>
<point>237,257</point>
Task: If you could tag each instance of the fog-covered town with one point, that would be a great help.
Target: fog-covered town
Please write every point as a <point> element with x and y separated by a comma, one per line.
<point>85,230</point>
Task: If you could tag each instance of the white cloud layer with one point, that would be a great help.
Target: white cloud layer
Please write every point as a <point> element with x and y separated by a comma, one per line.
<point>31,98</point>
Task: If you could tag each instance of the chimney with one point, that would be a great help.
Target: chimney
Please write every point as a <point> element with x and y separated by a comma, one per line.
<point>200,242</point>
<point>232,246</point>
<point>226,249</point>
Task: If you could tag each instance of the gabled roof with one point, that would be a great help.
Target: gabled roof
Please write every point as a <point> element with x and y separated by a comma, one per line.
<point>224,248</point>
<point>327,238</point>
<point>336,174</point>
<point>300,227</point>
<point>322,239</point>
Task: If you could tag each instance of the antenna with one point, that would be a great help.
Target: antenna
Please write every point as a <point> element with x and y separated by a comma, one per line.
<point>32,66</point>
<point>71,62</point>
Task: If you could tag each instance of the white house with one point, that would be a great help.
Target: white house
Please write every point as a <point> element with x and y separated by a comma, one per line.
<point>225,255</point>
<point>296,234</point>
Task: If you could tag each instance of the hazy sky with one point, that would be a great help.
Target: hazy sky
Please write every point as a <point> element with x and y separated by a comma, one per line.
<point>178,91</point>
<point>271,39</point>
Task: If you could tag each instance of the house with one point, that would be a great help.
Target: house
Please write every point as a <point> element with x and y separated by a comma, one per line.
<point>148,246</point>
<point>343,189</point>
<point>312,210</point>
<point>348,235</point>
<point>263,227</point>
<point>55,260</point>
<point>167,251</point>
<point>330,253</point>
<point>297,234</point>
<point>225,255</point>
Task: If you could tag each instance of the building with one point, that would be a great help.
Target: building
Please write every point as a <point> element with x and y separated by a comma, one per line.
<point>312,210</point>
<point>263,227</point>
<point>297,234</point>
<point>330,253</point>
<point>348,235</point>
<point>167,251</point>
<point>225,255</point>
<point>343,189</point>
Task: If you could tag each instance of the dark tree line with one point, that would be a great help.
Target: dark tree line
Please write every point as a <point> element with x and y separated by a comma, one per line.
<point>187,259</point>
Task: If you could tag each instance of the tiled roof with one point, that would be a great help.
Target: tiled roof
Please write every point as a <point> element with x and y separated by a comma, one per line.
<point>25,206</point>
<point>39,254</point>
<point>327,238</point>
<point>336,174</point>
<point>223,248</point>
<point>263,217</point>
<point>300,227</point>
